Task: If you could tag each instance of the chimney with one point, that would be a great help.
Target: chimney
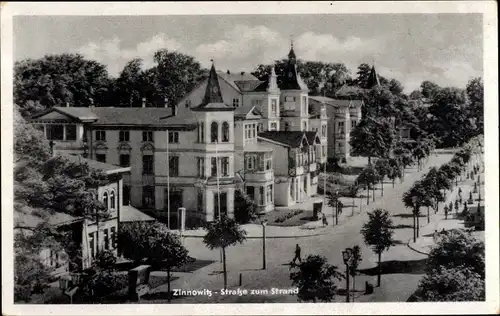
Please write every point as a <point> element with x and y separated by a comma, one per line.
<point>228,72</point>
<point>143,102</point>
<point>174,110</point>
<point>165,102</point>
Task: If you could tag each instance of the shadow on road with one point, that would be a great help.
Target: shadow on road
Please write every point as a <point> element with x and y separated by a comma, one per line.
<point>397,266</point>
<point>402,226</point>
<point>406,215</point>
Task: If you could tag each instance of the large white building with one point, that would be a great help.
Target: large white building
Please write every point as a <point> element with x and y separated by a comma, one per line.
<point>231,131</point>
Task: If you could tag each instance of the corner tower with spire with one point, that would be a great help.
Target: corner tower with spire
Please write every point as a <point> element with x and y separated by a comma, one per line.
<point>373,79</point>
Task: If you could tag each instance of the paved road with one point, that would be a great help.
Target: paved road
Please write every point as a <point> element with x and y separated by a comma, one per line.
<point>247,258</point>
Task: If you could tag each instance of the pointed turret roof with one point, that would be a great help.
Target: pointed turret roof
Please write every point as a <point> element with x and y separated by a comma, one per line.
<point>373,78</point>
<point>291,78</point>
<point>213,96</point>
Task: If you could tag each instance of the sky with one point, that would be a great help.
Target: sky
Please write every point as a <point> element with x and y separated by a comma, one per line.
<point>444,48</point>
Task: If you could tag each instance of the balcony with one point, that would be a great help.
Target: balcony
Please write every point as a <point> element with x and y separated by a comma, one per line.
<point>260,176</point>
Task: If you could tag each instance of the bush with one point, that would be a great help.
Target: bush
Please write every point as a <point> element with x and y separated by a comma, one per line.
<point>284,217</point>
<point>244,208</point>
<point>104,284</point>
<point>105,260</point>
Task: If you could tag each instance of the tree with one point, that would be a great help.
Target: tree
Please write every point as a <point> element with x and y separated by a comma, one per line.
<point>222,233</point>
<point>316,279</point>
<point>395,87</point>
<point>475,94</point>
<point>152,244</point>
<point>368,177</point>
<point>394,170</point>
<point>416,197</point>
<point>383,169</point>
<point>451,284</point>
<point>244,207</point>
<point>55,80</point>
<point>403,156</point>
<point>429,89</point>
<point>354,264</point>
<point>416,95</point>
<point>378,234</point>
<point>380,103</point>
<point>458,249</point>
<point>372,138</point>
<point>363,75</point>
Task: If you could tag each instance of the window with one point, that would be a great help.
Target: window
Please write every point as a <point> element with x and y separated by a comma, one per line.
<point>261,196</point>
<point>213,165</point>
<point>147,164</point>
<point>55,132</point>
<point>251,192</point>
<point>341,128</point>
<point>147,136</point>
<point>269,194</point>
<point>214,132</point>
<point>201,132</point>
<point>273,126</point>
<point>106,239</point>
<point>148,196</point>
<point>100,135</point>
<point>225,132</point>
<point>256,103</point>
<point>92,245</point>
<point>124,160</point>
<point>105,200</point>
<point>353,124</point>
<point>175,198</point>
<point>224,161</point>
<point>274,106</point>
<point>173,137</point>
<point>112,200</point>
<point>126,195</point>
<point>100,157</point>
<point>323,150</point>
<point>304,105</point>
<point>70,132</point>
<point>250,162</point>
<point>248,133</point>
<point>124,136</point>
<point>236,102</point>
<point>323,130</point>
<point>113,237</point>
<point>287,126</point>
<point>173,166</point>
<point>201,167</point>
<point>260,127</point>
<point>220,204</point>
<point>268,161</point>
<point>188,103</point>
<point>200,201</point>
<point>304,126</point>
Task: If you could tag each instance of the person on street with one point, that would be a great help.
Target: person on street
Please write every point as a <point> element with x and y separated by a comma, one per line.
<point>297,254</point>
<point>325,222</point>
<point>446,212</point>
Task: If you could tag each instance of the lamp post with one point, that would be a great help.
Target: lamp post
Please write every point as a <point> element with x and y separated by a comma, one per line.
<point>337,208</point>
<point>415,207</point>
<point>264,224</point>
<point>347,256</point>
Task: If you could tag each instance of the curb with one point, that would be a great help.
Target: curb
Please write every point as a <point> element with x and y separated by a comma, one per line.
<point>418,251</point>
<point>268,237</point>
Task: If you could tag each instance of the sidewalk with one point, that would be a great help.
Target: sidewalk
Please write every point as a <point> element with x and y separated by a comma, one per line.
<point>426,242</point>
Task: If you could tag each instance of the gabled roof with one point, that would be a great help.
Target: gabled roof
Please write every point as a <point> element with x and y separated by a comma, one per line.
<point>233,78</point>
<point>291,139</point>
<point>94,164</point>
<point>82,114</point>
<point>336,102</point>
<point>311,136</point>
<point>373,78</point>
<point>243,112</point>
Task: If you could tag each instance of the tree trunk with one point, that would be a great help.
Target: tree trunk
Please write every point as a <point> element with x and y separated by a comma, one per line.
<point>379,268</point>
<point>224,266</point>
<point>373,192</point>
<point>367,195</point>
<point>414,229</point>
<point>393,182</point>
<point>353,286</point>
<point>169,296</point>
<point>369,160</point>
<point>418,225</point>
<point>428,218</point>
<point>382,186</point>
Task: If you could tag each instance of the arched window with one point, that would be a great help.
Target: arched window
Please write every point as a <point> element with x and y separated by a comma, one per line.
<point>214,132</point>
<point>201,133</point>
<point>225,132</point>
<point>105,200</point>
<point>112,200</point>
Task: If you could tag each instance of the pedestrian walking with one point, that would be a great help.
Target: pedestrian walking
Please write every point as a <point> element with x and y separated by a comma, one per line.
<point>297,254</point>
<point>435,236</point>
<point>446,212</point>
<point>325,222</point>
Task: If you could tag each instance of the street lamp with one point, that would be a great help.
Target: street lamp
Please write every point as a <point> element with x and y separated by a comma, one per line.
<point>337,207</point>
<point>347,255</point>
<point>264,224</point>
<point>415,208</point>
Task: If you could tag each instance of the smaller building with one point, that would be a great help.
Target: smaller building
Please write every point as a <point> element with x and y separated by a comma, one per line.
<point>92,235</point>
